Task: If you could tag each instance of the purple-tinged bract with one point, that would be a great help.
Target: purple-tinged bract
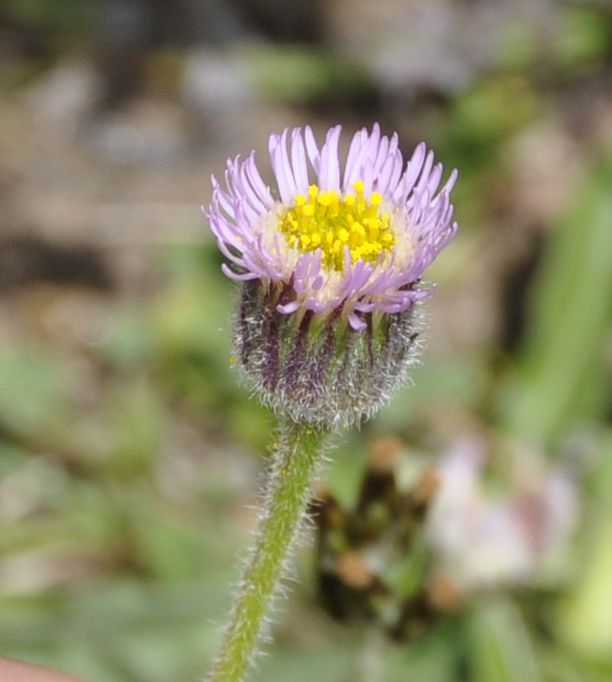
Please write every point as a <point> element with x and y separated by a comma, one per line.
<point>331,261</point>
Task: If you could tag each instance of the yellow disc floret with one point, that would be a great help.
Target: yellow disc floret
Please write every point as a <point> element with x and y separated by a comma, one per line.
<point>331,222</point>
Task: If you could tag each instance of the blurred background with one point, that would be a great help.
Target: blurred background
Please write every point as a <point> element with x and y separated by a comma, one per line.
<point>466,533</point>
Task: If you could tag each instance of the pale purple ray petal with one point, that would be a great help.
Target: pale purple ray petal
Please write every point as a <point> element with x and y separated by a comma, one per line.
<point>236,276</point>
<point>249,191</point>
<point>354,171</point>
<point>450,183</point>
<point>226,203</point>
<point>413,168</point>
<point>311,148</point>
<point>223,247</point>
<point>425,174</point>
<point>355,147</point>
<point>382,154</point>
<point>374,142</point>
<point>391,164</point>
<point>368,177</point>
<point>286,164</point>
<point>282,167</point>
<point>288,308</point>
<point>329,168</point>
<point>364,307</point>
<point>398,163</point>
<point>298,161</point>
<point>356,323</point>
<point>258,184</point>
<point>434,179</point>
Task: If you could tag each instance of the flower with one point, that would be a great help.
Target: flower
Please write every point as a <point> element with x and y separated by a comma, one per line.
<point>519,536</point>
<point>356,241</point>
<point>331,263</point>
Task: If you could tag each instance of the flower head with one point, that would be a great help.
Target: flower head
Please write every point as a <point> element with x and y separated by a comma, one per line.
<point>327,254</point>
<point>355,240</point>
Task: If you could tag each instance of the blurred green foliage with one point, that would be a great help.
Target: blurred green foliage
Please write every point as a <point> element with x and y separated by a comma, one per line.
<point>561,384</point>
<point>53,26</point>
<point>123,487</point>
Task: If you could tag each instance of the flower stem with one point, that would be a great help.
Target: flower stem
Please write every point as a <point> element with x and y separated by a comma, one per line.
<point>294,462</point>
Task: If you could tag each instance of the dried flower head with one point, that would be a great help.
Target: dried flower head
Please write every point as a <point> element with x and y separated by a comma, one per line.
<point>331,264</point>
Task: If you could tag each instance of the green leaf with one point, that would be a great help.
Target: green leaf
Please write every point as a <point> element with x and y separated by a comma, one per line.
<point>586,615</point>
<point>501,648</point>
<point>558,386</point>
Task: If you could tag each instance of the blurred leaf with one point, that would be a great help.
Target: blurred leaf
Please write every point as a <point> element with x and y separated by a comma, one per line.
<point>408,574</point>
<point>11,458</point>
<point>192,339</point>
<point>344,474</point>
<point>440,384</point>
<point>433,659</point>
<point>169,550</point>
<point>579,39</point>
<point>303,74</point>
<point>249,422</point>
<point>136,428</point>
<point>501,648</point>
<point>482,120</point>
<point>130,343</point>
<point>570,316</point>
<point>519,46</point>
<point>34,390</point>
<point>583,38</point>
<point>560,664</point>
<point>136,626</point>
<point>65,17</point>
<point>328,661</point>
<point>586,616</point>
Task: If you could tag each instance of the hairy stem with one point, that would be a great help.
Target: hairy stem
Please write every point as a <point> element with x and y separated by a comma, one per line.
<point>294,462</point>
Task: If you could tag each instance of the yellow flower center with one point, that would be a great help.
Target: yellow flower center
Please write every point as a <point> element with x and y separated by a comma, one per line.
<point>329,221</point>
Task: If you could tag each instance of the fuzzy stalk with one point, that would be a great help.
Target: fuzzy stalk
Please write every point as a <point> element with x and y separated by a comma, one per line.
<point>295,458</point>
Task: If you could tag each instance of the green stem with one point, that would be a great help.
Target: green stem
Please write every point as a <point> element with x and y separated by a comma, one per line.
<point>294,462</point>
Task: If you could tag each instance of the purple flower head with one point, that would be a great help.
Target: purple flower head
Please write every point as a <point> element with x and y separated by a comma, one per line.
<point>330,263</point>
<point>345,241</point>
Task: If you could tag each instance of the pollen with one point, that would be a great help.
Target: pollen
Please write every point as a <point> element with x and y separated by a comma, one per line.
<point>331,222</point>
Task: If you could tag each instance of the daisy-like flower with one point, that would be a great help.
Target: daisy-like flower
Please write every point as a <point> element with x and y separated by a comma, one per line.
<point>331,262</point>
